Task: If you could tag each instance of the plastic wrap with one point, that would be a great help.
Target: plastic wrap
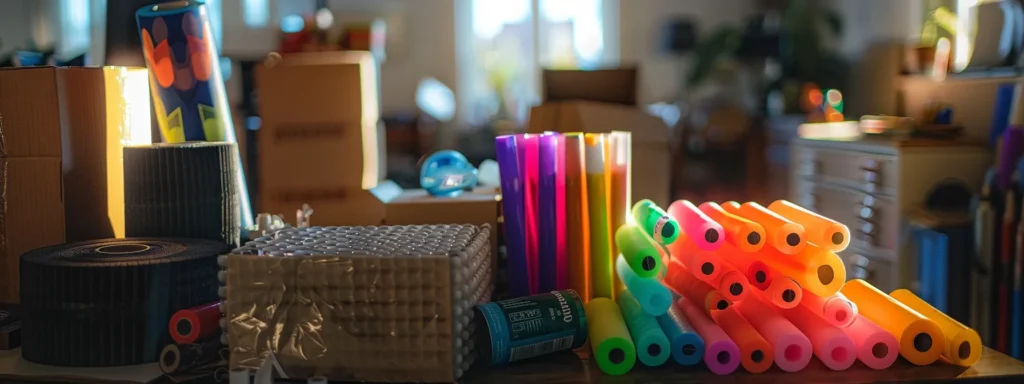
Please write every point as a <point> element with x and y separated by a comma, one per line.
<point>384,304</point>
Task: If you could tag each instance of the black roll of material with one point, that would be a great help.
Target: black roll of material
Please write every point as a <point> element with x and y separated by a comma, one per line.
<point>182,190</point>
<point>108,302</point>
<point>177,358</point>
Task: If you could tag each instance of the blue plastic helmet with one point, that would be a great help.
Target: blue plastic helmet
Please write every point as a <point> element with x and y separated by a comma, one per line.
<point>447,173</point>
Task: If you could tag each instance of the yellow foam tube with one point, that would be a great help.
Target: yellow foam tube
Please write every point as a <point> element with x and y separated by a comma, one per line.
<point>921,339</point>
<point>963,345</point>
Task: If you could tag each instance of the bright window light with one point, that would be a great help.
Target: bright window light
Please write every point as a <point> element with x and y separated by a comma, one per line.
<point>256,13</point>
<point>75,21</point>
<point>964,28</point>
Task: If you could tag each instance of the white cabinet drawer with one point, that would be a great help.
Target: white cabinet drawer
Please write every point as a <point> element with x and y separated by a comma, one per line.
<point>874,222</point>
<point>872,173</point>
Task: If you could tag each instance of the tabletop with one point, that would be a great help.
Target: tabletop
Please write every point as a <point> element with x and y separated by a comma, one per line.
<point>569,368</point>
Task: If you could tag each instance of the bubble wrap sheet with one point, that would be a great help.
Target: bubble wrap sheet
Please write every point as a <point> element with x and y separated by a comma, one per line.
<point>384,304</point>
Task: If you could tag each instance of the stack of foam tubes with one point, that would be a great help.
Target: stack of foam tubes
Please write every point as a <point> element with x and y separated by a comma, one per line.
<point>198,348</point>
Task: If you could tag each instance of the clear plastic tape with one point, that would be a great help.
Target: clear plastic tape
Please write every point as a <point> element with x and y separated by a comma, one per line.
<point>375,303</point>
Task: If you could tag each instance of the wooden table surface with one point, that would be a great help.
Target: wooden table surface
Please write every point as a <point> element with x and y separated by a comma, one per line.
<point>568,368</point>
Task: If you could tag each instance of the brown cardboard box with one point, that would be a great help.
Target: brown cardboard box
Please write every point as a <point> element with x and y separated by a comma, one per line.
<point>416,206</point>
<point>615,86</point>
<point>651,161</point>
<point>321,134</point>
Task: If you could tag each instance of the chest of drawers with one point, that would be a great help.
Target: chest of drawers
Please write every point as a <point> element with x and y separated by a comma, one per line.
<point>870,185</point>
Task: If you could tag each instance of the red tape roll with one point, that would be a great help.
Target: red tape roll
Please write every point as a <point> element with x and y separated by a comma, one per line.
<point>195,324</point>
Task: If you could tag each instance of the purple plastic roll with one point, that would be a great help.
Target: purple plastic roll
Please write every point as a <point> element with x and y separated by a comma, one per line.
<point>1009,151</point>
<point>514,214</point>
<point>548,213</point>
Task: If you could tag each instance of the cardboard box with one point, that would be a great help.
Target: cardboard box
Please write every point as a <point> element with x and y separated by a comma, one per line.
<point>651,154</point>
<point>614,86</point>
<point>321,133</point>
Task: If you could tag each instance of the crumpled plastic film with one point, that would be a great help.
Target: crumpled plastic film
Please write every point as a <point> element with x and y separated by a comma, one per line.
<point>385,304</point>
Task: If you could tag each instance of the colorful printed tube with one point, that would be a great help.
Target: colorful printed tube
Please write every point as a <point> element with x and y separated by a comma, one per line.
<point>784,235</point>
<point>745,235</point>
<point>836,310</point>
<point>549,213</point>
<point>601,272</point>
<point>706,233</point>
<point>577,216</point>
<point>642,254</point>
<point>685,284</point>
<point>652,346</point>
<point>514,212</point>
<point>792,349</point>
<point>831,345</point>
<point>817,270</point>
<point>963,345</point>
<point>821,231</point>
<point>756,354</point>
<point>876,348</point>
<point>921,339</point>
<point>653,296</point>
<point>195,324</point>
<point>687,346</point>
<point>528,146</point>
<point>610,341</point>
<point>721,354</point>
<point>702,263</point>
<point>655,222</point>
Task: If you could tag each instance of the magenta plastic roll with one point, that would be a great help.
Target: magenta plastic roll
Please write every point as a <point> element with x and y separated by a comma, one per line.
<point>836,350</point>
<point>562,244</point>
<point>876,347</point>
<point>792,349</point>
<point>549,213</point>
<point>705,232</point>
<point>514,214</point>
<point>721,354</point>
<point>528,147</point>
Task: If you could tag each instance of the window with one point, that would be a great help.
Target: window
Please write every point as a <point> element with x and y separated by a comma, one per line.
<point>256,13</point>
<point>74,17</point>
<point>500,61</point>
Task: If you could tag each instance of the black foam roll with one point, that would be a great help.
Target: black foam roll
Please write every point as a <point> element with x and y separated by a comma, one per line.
<point>108,302</point>
<point>182,190</point>
<point>177,358</point>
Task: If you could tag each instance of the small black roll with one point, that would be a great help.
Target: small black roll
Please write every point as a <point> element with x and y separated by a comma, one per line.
<point>177,358</point>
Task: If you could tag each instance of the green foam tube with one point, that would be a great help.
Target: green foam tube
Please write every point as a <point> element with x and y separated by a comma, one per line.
<point>609,337</point>
<point>652,346</point>
<point>642,254</point>
<point>655,222</point>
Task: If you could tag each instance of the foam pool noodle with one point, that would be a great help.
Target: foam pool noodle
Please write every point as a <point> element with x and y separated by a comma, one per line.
<point>876,348</point>
<point>792,349</point>
<point>703,263</point>
<point>528,166</point>
<point>706,233</point>
<point>610,341</point>
<point>652,346</point>
<point>639,250</point>
<point>731,283</point>
<point>921,339</point>
<point>756,354</point>
<point>687,346</point>
<point>512,203</point>
<point>697,291</point>
<point>831,345</point>
<point>618,154</point>
<point>743,234</point>
<point>551,215</point>
<point>821,231</point>
<point>758,274</point>
<point>784,235</point>
<point>601,259</point>
<point>577,217</point>
<point>836,309</point>
<point>655,222</point>
<point>721,354</point>
<point>784,292</point>
<point>963,344</point>
<point>817,270</point>
<point>652,295</point>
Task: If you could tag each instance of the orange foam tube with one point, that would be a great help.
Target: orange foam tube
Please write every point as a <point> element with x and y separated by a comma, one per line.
<point>963,345</point>
<point>833,347</point>
<point>680,280</point>
<point>792,349</point>
<point>745,235</point>
<point>702,263</point>
<point>836,310</point>
<point>756,354</point>
<point>731,282</point>
<point>876,348</point>
<point>786,236</point>
<point>758,274</point>
<point>578,220</point>
<point>817,270</point>
<point>784,292</point>
<point>821,231</point>
<point>921,339</point>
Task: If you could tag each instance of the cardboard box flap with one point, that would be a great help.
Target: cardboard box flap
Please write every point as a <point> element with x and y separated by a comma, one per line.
<point>583,116</point>
<point>29,116</point>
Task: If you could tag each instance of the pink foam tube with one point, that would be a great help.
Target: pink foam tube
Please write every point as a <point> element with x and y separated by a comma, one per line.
<point>836,309</point>
<point>759,275</point>
<point>836,350</point>
<point>876,348</point>
<point>705,232</point>
<point>721,354</point>
<point>529,157</point>
<point>792,349</point>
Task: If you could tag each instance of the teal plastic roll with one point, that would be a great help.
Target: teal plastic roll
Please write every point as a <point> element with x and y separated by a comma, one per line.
<point>652,346</point>
<point>687,346</point>
<point>653,296</point>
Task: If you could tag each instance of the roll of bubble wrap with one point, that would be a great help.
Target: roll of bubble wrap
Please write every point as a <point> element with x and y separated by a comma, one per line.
<point>385,304</point>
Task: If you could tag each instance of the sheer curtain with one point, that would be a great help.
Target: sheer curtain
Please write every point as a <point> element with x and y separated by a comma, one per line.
<point>504,44</point>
